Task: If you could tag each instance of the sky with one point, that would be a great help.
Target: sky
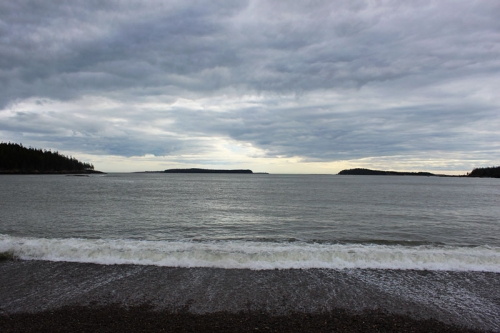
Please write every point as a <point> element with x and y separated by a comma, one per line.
<point>276,86</point>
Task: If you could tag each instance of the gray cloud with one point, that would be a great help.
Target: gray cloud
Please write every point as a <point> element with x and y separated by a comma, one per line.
<point>397,77</point>
<point>327,136</point>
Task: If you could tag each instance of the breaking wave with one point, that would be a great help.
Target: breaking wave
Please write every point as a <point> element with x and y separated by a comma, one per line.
<point>253,255</point>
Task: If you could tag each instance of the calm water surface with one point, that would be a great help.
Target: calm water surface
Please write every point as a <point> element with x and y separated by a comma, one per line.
<point>345,209</point>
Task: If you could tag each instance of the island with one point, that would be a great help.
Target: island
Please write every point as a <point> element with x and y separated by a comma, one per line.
<point>17,159</point>
<point>197,170</point>
<point>368,172</point>
<point>488,172</point>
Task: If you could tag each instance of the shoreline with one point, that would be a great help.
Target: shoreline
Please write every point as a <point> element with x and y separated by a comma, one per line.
<point>61,293</point>
<point>63,172</point>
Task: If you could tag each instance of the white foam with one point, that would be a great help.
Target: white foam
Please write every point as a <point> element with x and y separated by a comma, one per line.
<point>254,255</point>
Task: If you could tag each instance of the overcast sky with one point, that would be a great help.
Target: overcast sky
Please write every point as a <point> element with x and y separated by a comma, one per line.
<point>277,86</point>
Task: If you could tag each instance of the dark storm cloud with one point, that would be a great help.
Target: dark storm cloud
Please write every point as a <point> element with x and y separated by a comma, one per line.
<point>65,51</point>
<point>82,48</point>
<point>397,77</point>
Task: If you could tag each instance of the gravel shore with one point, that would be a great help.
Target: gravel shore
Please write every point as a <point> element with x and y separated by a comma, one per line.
<point>40,296</point>
<point>115,318</point>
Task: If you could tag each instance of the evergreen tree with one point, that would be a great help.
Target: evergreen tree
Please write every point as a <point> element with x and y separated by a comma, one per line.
<point>492,172</point>
<point>15,157</point>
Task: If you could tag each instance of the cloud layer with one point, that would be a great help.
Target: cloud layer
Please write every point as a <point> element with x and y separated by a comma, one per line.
<point>318,82</point>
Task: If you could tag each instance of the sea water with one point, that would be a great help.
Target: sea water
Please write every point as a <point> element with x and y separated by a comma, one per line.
<point>254,221</point>
<point>424,246</point>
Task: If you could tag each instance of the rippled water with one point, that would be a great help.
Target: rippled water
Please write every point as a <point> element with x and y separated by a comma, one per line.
<point>254,221</point>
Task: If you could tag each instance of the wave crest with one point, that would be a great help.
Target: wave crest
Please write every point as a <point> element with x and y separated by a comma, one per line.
<point>254,255</point>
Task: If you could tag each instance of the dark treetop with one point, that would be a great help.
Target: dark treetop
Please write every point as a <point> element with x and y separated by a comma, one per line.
<point>195,170</point>
<point>491,172</point>
<point>14,158</point>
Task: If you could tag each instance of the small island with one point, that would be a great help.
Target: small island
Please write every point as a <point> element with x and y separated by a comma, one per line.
<point>368,172</point>
<point>197,170</point>
<point>17,159</point>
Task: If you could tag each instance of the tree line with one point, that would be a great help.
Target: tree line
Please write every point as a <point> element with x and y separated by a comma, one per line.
<point>488,172</point>
<point>493,172</point>
<point>15,157</point>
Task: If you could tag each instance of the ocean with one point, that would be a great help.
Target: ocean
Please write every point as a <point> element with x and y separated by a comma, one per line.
<point>423,245</point>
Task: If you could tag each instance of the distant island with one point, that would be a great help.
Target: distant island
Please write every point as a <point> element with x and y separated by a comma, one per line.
<point>17,159</point>
<point>197,170</point>
<point>489,172</point>
<point>368,172</point>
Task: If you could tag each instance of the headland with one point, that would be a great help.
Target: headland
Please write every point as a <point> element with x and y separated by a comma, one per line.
<point>488,172</point>
<point>17,159</point>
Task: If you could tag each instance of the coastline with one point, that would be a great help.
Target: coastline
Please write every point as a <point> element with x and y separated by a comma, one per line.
<point>62,172</point>
<point>488,172</point>
<point>57,294</point>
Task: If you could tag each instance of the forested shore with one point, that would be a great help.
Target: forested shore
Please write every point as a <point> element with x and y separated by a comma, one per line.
<point>17,159</point>
<point>488,172</point>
